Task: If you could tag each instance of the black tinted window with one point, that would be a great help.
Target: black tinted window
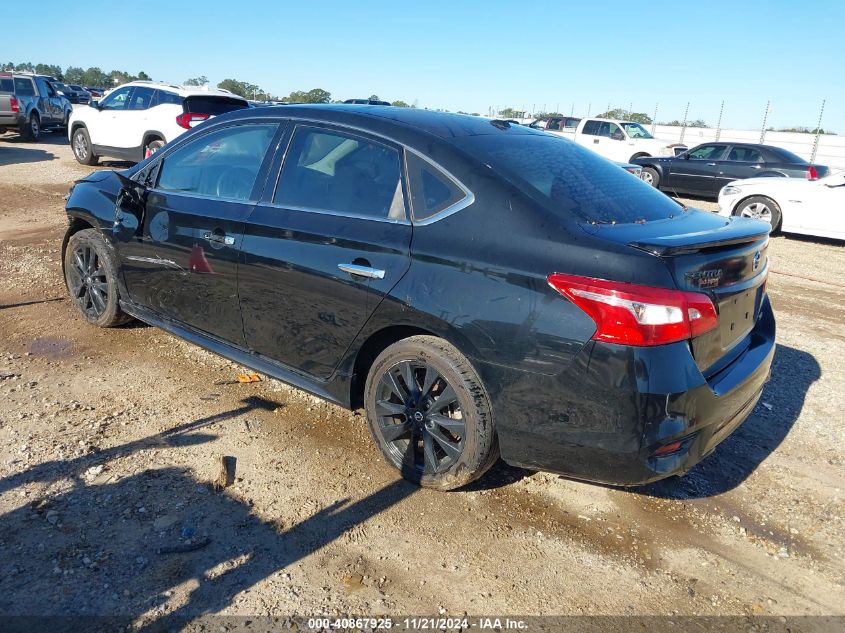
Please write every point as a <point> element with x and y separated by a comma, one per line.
<point>592,128</point>
<point>141,98</point>
<point>212,105</point>
<point>431,190</point>
<point>7,85</point>
<point>24,87</point>
<point>332,171</point>
<point>571,180</point>
<point>163,96</point>
<point>786,156</point>
<point>745,154</point>
<point>223,164</point>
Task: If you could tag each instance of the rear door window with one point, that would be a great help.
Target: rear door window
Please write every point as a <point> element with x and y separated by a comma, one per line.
<point>167,97</point>
<point>222,164</point>
<point>332,171</point>
<point>591,128</point>
<point>745,154</point>
<point>432,191</point>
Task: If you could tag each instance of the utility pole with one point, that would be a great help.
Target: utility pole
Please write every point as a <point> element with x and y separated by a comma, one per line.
<point>654,120</point>
<point>684,126</point>
<point>589,107</point>
<point>763,127</point>
<point>818,134</point>
<point>719,124</point>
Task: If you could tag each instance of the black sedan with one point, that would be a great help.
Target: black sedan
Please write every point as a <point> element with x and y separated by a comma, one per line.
<point>705,169</point>
<point>478,288</point>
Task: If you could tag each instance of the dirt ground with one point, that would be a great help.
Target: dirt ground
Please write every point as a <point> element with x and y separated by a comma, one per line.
<point>109,441</point>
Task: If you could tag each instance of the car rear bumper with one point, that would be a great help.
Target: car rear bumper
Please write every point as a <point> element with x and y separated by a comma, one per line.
<point>13,119</point>
<point>603,418</point>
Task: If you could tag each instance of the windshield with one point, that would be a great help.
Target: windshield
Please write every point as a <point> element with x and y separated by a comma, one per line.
<point>571,180</point>
<point>635,130</point>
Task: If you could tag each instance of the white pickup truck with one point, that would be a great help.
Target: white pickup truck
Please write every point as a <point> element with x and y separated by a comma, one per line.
<point>614,139</point>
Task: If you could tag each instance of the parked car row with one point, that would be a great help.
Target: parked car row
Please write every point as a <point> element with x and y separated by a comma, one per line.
<point>30,103</point>
<point>136,120</point>
<point>550,308</point>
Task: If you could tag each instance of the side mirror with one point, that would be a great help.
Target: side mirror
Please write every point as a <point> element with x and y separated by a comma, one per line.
<point>685,156</point>
<point>94,104</point>
<point>618,136</point>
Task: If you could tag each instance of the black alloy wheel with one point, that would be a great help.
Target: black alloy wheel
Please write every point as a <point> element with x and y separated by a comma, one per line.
<point>429,413</point>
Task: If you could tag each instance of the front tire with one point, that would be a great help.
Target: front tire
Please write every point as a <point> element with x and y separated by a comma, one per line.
<point>91,279</point>
<point>429,414</point>
<point>760,208</point>
<point>83,151</point>
<point>651,176</point>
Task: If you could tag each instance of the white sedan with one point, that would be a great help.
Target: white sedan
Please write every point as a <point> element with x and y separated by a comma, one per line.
<point>812,207</point>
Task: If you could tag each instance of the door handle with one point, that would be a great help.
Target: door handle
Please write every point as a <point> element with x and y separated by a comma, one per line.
<point>595,140</point>
<point>755,166</point>
<point>362,271</point>
<point>711,164</point>
<point>220,238</point>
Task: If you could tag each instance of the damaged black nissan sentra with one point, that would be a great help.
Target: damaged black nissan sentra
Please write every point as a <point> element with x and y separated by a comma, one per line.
<point>478,287</point>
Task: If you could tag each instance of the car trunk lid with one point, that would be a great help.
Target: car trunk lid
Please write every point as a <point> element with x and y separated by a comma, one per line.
<point>725,258</point>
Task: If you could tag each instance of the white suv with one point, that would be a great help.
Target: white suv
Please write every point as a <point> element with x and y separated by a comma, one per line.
<point>136,119</point>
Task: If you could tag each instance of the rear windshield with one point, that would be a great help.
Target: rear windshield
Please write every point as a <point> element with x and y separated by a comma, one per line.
<point>570,179</point>
<point>213,105</point>
<point>788,157</point>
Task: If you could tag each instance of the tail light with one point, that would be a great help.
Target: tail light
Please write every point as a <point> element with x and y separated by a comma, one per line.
<point>190,119</point>
<point>13,102</point>
<point>812,173</point>
<point>629,314</point>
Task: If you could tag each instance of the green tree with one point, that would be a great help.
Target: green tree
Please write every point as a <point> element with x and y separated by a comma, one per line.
<point>50,69</point>
<point>26,67</point>
<point>400,104</point>
<point>315,95</point>
<point>619,113</point>
<point>374,98</point>
<point>695,123</point>
<point>74,75</point>
<point>234,86</point>
<point>197,81</point>
<point>144,76</point>
<point>94,76</point>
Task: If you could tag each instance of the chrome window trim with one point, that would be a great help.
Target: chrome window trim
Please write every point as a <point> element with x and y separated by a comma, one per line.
<point>200,196</point>
<point>454,208</point>
<point>356,216</point>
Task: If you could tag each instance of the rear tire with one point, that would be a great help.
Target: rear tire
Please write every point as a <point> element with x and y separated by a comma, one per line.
<point>651,176</point>
<point>760,208</point>
<point>31,129</point>
<point>83,151</point>
<point>91,279</point>
<point>429,414</point>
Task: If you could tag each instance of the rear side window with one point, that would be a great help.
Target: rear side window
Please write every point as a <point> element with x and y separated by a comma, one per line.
<point>212,105</point>
<point>570,180</point>
<point>591,128</point>
<point>328,170</point>
<point>24,87</point>
<point>165,97</point>
<point>7,85</point>
<point>431,190</point>
<point>222,164</point>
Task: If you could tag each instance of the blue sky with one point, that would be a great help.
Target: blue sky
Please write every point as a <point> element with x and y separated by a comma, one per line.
<point>471,55</point>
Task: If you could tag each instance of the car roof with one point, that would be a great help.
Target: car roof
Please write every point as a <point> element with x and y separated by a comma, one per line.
<point>444,125</point>
<point>183,91</point>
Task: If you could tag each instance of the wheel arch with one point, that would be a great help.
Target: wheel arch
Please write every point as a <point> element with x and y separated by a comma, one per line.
<point>76,223</point>
<point>374,345</point>
<point>760,195</point>
<point>150,135</point>
<point>639,155</point>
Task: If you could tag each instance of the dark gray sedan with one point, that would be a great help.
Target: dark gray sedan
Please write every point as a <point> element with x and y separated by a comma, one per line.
<point>705,169</point>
